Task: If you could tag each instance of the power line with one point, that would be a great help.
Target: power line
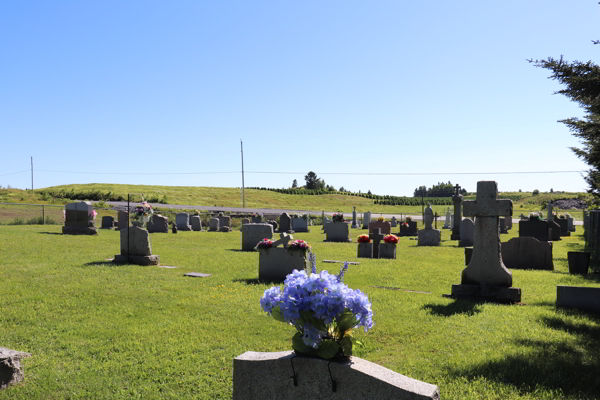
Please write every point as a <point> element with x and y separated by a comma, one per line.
<point>321,173</point>
<point>12,173</point>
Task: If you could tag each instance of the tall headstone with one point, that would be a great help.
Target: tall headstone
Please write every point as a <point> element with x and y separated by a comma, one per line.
<point>457,200</point>
<point>354,222</point>
<point>366,220</point>
<point>549,209</point>
<point>429,236</point>
<point>467,232</point>
<point>123,222</point>
<point>196,223</point>
<point>486,275</point>
<point>136,247</point>
<point>394,222</point>
<point>213,224</point>
<point>183,222</point>
<point>285,223</point>
<point>448,220</point>
<point>79,220</point>
<point>108,222</point>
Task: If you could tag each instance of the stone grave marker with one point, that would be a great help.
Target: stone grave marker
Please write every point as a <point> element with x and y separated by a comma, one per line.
<point>354,221</point>
<point>108,222</point>
<point>285,223</point>
<point>256,219</point>
<point>158,224</point>
<point>408,228</point>
<point>570,225</point>
<point>78,219</point>
<point>122,222</point>
<point>549,209</point>
<point>467,232</point>
<point>503,229</point>
<point>457,217</point>
<point>376,236</point>
<point>254,233</point>
<point>366,219</point>
<point>508,223</point>
<point>224,223</point>
<point>384,227</point>
<point>536,228</point>
<point>300,224</point>
<point>563,223</point>
<point>527,253</point>
<point>429,236</point>
<point>554,230</point>
<point>213,225</point>
<point>292,377</point>
<point>486,275</point>
<point>183,222</point>
<point>394,222</point>
<point>196,223</point>
<point>276,263</point>
<point>337,232</point>
<point>447,220</point>
<point>11,370</point>
<point>136,247</point>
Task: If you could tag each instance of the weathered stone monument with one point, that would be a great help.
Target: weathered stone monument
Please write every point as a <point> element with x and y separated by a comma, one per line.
<point>394,222</point>
<point>366,219</point>
<point>448,220</point>
<point>300,223</point>
<point>384,227</point>
<point>292,377</point>
<point>136,247</point>
<point>256,219</point>
<point>536,228</point>
<point>486,276</point>
<point>467,232</point>
<point>429,236</point>
<point>275,263</point>
<point>196,223</point>
<point>123,220</point>
<point>213,225</point>
<point>527,253</point>
<point>108,222</point>
<point>338,232</point>
<point>457,200</point>
<point>408,228</point>
<point>285,223</point>
<point>11,370</point>
<point>254,233</point>
<point>183,222</point>
<point>79,220</point>
<point>158,224</point>
<point>224,222</point>
<point>354,221</point>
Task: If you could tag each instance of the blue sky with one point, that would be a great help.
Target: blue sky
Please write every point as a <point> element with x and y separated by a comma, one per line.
<point>161,93</point>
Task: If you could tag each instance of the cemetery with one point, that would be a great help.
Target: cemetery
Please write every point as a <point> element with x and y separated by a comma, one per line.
<point>79,325</point>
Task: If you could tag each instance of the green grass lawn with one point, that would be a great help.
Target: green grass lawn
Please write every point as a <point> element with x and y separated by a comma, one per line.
<point>97,330</point>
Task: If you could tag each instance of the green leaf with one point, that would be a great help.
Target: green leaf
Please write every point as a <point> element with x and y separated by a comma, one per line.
<point>308,316</point>
<point>346,345</point>
<point>346,321</point>
<point>277,314</point>
<point>300,347</point>
<point>328,349</point>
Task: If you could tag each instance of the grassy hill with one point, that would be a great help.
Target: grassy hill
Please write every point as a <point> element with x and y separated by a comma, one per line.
<point>231,197</point>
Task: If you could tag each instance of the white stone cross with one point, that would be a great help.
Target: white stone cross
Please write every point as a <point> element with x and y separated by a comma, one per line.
<point>486,266</point>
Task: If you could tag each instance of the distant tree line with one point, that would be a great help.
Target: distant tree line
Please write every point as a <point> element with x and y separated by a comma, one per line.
<point>440,190</point>
<point>94,195</point>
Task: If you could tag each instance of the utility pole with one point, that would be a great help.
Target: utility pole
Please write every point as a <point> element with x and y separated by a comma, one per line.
<point>242,150</point>
<point>32,173</point>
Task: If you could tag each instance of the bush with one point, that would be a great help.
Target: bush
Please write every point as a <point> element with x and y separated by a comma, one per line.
<point>535,192</point>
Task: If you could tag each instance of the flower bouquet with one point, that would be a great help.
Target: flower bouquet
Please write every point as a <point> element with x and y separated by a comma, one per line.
<point>391,239</point>
<point>142,213</point>
<point>92,215</point>
<point>535,215</point>
<point>264,244</point>
<point>338,217</point>
<point>298,245</point>
<point>363,239</point>
<point>381,219</point>
<point>408,219</point>
<point>322,309</point>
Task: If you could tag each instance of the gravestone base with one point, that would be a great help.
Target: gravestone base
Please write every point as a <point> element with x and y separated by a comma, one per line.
<point>387,250</point>
<point>365,250</point>
<point>138,260</point>
<point>354,378</point>
<point>498,294</point>
<point>184,228</point>
<point>579,297</point>
<point>429,237</point>
<point>224,229</point>
<point>79,230</point>
<point>465,243</point>
<point>11,371</point>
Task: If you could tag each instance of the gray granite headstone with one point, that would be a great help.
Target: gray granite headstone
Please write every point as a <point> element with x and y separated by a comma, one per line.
<point>457,199</point>
<point>527,253</point>
<point>136,247</point>
<point>183,222</point>
<point>158,224</point>
<point>270,376</point>
<point>108,222</point>
<point>254,233</point>
<point>122,222</point>
<point>366,219</point>
<point>429,236</point>
<point>213,224</point>
<point>78,219</point>
<point>196,223</point>
<point>467,232</point>
<point>285,223</point>
<point>354,221</point>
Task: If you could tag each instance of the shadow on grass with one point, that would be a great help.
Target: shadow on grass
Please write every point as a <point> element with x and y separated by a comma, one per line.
<point>593,276</point>
<point>238,250</point>
<point>99,263</point>
<point>460,306</point>
<point>256,282</point>
<point>569,367</point>
<point>51,233</point>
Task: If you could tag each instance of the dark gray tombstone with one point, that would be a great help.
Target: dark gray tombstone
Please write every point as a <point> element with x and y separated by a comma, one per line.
<point>536,228</point>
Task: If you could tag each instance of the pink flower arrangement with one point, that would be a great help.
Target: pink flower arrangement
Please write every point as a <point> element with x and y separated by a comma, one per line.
<point>391,239</point>
<point>299,245</point>
<point>264,244</point>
